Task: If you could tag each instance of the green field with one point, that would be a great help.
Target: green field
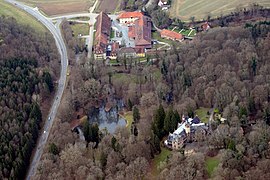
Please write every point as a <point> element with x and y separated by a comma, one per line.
<point>22,17</point>
<point>129,118</point>
<point>202,114</point>
<point>200,9</point>
<point>79,28</point>
<point>55,7</point>
<point>211,164</point>
<point>160,158</point>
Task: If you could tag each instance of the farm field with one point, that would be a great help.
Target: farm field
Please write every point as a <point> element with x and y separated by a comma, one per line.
<point>108,6</point>
<point>54,7</point>
<point>200,9</point>
<point>21,17</point>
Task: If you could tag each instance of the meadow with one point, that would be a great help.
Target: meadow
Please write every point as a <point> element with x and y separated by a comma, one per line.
<point>201,9</point>
<point>21,17</point>
<point>55,7</point>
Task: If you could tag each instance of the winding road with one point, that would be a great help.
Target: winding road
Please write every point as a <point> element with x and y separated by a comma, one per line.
<point>54,29</point>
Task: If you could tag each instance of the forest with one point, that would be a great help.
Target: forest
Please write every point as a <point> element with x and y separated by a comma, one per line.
<point>26,81</point>
<point>225,68</point>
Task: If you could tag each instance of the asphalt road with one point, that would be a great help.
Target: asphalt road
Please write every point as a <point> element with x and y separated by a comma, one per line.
<point>54,29</point>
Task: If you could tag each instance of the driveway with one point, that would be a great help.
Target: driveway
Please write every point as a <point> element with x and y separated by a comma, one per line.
<point>124,40</point>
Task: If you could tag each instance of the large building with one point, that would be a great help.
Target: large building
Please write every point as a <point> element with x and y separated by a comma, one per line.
<point>185,130</point>
<point>171,35</point>
<point>139,29</point>
<point>102,35</point>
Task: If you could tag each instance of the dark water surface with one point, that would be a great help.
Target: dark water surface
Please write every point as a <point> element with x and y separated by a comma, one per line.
<point>109,120</point>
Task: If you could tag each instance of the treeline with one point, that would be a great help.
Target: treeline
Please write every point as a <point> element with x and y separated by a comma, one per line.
<point>24,42</point>
<point>20,115</point>
<point>132,5</point>
<point>23,86</point>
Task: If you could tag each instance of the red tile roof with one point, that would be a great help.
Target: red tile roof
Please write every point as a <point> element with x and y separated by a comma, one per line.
<point>103,30</point>
<point>205,26</point>
<point>131,32</point>
<point>140,30</point>
<point>130,14</point>
<point>171,34</point>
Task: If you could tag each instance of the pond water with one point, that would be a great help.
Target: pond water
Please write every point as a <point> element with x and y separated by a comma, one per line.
<point>108,119</point>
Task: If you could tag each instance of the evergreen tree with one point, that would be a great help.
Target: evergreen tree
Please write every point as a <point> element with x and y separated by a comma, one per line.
<point>136,114</point>
<point>113,143</point>
<point>130,105</point>
<point>158,124</point>
<point>251,105</point>
<point>86,131</point>
<point>36,113</point>
<point>48,81</point>
<point>267,116</point>
<point>177,116</point>
<point>53,149</point>
<point>254,66</point>
<point>155,144</point>
<point>95,133</point>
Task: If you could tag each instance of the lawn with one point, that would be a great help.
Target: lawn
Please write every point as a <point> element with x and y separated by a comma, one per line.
<point>80,28</point>
<point>54,7</point>
<point>160,158</point>
<point>200,9</point>
<point>22,17</point>
<point>202,114</point>
<point>123,77</point>
<point>189,32</point>
<point>85,18</point>
<point>129,118</point>
<point>211,164</point>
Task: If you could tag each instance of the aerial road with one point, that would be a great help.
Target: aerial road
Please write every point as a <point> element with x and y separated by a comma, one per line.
<point>61,82</point>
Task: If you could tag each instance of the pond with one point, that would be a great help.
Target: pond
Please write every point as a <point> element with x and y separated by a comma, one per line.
<point>108,118</point>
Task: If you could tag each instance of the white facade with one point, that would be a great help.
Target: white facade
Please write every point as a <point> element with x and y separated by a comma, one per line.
<point>130,20</point>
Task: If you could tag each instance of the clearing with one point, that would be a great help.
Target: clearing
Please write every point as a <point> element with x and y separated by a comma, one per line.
<point>162,157</point>
<point>202,114</point>
<point>22,17</point>
<point>56,7</point>
<point>129,119</point>
<point>200,9</point>
<point>211,164</point>
<point>108,6</point>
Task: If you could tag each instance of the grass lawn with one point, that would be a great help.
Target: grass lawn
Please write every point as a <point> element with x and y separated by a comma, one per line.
<point>80,28</point>
<point>202,114</point>
<point>160,158</point>
<point>81,18</point>
<point>188,32</point>
<point>123,77</point>
<point>22,17</point>
<point>211,164</point>
<point>157,75</point>
<point>200,9</point>
<point>129,118</point>
<point>112,35</point>
<point>113,61</point>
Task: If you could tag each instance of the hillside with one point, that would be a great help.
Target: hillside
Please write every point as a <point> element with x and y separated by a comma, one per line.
<point>200,9</point>
<point>21,17</point>
<point>26,85</point>
<point>225,68</point>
